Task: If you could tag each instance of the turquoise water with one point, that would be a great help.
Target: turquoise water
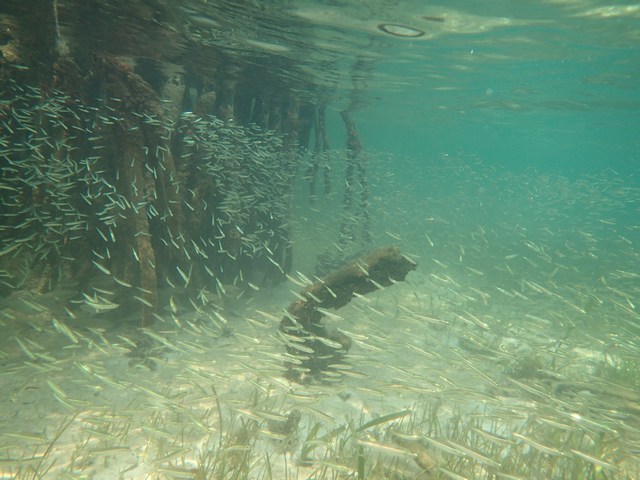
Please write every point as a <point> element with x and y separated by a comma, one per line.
<point>555,91</point>
<point>151,171</point>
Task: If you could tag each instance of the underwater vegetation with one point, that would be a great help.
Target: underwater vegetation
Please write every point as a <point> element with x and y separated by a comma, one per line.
<point>432,440</point>
<point>622,370</point>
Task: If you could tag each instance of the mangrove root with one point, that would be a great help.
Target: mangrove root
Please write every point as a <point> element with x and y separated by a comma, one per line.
<point>316,346</point>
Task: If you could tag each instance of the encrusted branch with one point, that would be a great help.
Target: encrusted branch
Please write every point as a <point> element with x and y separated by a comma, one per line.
<point>303,319</point>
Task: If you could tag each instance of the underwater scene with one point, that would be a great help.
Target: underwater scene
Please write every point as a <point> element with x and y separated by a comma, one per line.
<point>320,240</point>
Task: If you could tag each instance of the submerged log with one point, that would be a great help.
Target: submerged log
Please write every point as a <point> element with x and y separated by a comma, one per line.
<point>303,319</point>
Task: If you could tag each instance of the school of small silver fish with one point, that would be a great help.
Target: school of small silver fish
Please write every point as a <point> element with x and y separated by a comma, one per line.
<point>513,352</point>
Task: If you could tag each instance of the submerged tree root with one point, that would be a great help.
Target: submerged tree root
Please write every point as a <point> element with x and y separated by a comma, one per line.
<point>316,347</point>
